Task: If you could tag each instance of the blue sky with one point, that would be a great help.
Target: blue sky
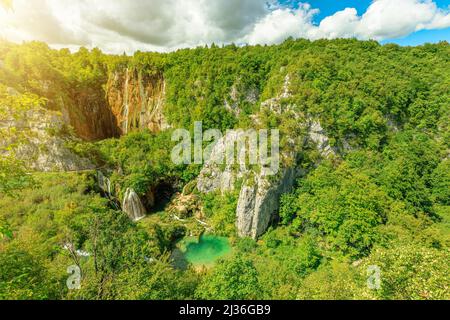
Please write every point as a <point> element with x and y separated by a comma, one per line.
<point>329,7</point>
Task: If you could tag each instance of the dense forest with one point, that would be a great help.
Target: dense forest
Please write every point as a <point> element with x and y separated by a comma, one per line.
<point>380,196</point>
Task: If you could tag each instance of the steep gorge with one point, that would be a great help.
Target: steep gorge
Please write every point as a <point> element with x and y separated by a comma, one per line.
<point>89,114</point>
<point>128,101</point>
<point>322,106</point>
<point>136,100</point>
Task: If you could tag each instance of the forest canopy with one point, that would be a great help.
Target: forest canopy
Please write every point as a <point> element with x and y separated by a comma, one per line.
<point>382,198</point>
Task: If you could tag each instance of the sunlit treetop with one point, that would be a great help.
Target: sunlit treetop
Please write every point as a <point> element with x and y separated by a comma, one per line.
<point>6,4</point>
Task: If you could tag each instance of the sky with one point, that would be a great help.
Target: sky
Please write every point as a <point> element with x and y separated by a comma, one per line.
<point>165,25</point>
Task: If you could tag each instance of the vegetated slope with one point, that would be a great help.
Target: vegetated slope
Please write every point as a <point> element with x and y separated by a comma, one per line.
<point>379,195</point>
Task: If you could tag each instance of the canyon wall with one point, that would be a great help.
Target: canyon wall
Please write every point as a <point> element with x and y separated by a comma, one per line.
<point>128,101</point>
<point>136,100</point>
<point>88,112</point>
<point>36,136</point>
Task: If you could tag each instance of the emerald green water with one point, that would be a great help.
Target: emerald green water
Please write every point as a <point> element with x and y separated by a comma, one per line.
<point>206,251</point>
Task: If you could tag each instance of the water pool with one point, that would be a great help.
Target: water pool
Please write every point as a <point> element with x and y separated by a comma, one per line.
<point>204,251</point>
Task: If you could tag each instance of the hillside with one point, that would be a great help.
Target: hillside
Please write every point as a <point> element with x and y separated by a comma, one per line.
<point>364,179</point>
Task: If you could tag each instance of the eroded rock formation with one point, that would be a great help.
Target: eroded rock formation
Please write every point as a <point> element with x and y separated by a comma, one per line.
<point>85,109</point>
<point>217,175</point>
<point>319,137</point>
<point>128,100</point>
<point>259,202</point>
<point>136,99</point>
<point>89,114</point>
<point>38,142</point>
<point>259,193</point>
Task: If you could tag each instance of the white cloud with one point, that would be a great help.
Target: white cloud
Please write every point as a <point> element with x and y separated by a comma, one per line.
<point>163,25</point>
<point>38,20</point>
<point>385,19</point>
<point>282,23</point>
<point>392,19</point>
<point>340,25</point>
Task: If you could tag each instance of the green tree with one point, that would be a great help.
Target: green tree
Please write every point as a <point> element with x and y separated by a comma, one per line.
<point>412,272</point>
<point>441,183</point>
<point>333,281</point>
<point>24,277</point>
<point>235,279</point>
<point>345,206</point>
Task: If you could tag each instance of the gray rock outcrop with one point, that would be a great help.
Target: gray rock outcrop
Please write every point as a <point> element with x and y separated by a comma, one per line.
<point>259,194</point>
<point>318,136</point>
<point>38,143</point>
<point>218,174</point>
<point>239,94</point>
<point>259,202</point>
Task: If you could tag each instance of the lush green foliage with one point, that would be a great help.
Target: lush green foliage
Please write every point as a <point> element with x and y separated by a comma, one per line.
<point>221,211</point>
<point>412,272</point>
<point>235,279</point>
<point>381,200</point>
<point>144,160</point>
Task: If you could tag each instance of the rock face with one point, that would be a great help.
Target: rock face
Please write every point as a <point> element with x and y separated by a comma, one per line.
<point>259,195</point>
<point>49,155</point>
<point>239,94</point>
<point>128,100</point>
<point>38,143</point>
<point>85,109</point>
<point>217,176</point>
<point>259,202</point>
<point>89,114</point>
<point>318,136</point>
<point>186,206</point>
<point>274,104</point>
<point>136,100</point>
<point>132,101</point>
<point>133,206</point>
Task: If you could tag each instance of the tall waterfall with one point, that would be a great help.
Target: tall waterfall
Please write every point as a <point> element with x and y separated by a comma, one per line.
<point>104,184</point>
<point>126,108</point>
<point>133,206</point>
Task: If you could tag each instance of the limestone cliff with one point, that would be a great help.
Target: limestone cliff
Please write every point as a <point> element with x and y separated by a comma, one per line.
<point>37,140</point>
<point>88,112</point>
<point>84,108</point>
<point>259,202</point>
<point>259,194</point>
<point>127,100</point>
<point>216,176</point>
<point>137,99</point>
